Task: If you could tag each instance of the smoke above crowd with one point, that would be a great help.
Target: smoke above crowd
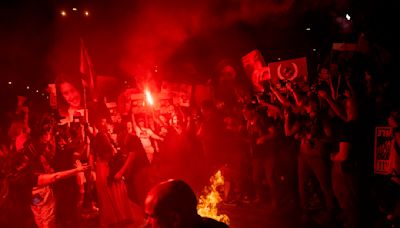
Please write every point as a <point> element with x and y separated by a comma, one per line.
<point>132,37</point>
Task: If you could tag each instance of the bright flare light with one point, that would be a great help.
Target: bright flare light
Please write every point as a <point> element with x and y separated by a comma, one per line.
<point>63,13</point>
<point>74,9</point>
<point>348,17</point>
<point>86,13</point>
<point>208,202</point>
<point>149,98</point>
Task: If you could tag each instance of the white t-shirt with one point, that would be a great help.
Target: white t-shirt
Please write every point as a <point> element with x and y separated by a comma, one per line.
<point>144,134</point>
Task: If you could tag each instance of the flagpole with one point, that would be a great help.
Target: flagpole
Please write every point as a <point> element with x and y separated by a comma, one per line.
<point>85,104</point>
<point>84,87</point>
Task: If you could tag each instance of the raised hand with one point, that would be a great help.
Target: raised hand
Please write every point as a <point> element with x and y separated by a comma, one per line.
<point>81,167</point>
<point>289,86</point>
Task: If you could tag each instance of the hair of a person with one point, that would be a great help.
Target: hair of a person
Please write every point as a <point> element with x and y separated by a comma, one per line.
<point>174,196</point>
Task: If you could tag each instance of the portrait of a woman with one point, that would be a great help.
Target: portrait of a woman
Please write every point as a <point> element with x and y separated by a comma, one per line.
<point>70,97</point>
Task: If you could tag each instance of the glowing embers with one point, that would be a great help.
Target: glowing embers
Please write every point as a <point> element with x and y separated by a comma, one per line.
<point>208,202</point>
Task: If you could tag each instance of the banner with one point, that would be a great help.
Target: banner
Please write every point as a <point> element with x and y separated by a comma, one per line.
<point>256,69</point>
<point>137,103</point>
<point>180,93</point>
<point>294,70</point>
<point>383,145</point>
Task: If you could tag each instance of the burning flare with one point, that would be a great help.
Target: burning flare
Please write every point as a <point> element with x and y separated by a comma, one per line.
<point>208,202</point>
<point>149,98</point>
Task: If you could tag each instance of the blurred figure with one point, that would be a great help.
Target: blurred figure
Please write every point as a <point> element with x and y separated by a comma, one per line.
<point>173,204</point>
<point>137,174</point>
<point>313,131</point>
<point>210,134</point>
<point>115,207</point>
<point>263,138</point>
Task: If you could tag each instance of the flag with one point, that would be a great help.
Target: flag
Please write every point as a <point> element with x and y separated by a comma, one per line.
<point>86,69</point>
<point>294,70</point>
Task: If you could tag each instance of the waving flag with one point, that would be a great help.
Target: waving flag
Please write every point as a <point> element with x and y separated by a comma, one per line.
<point>86,69</point>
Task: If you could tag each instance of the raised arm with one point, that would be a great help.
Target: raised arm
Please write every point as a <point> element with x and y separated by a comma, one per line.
<point>333,105</point>
<point>290,129</point>
<point>283,100</point>
<point>154,135</point>
<point>295,95</point>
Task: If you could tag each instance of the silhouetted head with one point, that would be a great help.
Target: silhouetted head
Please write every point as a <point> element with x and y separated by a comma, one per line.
<point>171,204</point>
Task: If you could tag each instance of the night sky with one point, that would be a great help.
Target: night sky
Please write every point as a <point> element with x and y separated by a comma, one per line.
<point>186,39</point>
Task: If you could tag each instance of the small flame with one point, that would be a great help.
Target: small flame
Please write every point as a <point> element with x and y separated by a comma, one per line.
<point>149,98</point>
<point>208,202</point>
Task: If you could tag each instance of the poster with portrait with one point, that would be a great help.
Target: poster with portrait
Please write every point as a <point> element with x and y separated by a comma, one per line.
<point>256,69</point>
<point>70,96</point>
<point>137,103</point>
<point>179,93</point>
<point>383,145</point>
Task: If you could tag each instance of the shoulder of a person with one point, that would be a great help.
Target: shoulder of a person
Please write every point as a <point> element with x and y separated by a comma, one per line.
<point>212,223</point>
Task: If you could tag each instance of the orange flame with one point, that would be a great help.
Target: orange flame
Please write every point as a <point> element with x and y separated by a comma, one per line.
<point>208,202</point>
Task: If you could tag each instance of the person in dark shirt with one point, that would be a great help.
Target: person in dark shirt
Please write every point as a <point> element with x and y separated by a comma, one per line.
<point>137,173</point>
<point>348,163</point>
<point>313,131</point>
<point>173,204</point>
<point>264,136</point>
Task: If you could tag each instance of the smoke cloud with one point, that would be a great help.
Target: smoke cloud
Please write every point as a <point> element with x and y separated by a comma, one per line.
<point>160,28</point>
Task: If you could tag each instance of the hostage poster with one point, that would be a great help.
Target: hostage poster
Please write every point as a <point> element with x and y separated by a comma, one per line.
<point>383,145</point>
<point>256,69</point>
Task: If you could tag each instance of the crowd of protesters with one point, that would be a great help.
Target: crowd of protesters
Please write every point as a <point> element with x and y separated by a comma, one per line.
<point>279,147</point>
